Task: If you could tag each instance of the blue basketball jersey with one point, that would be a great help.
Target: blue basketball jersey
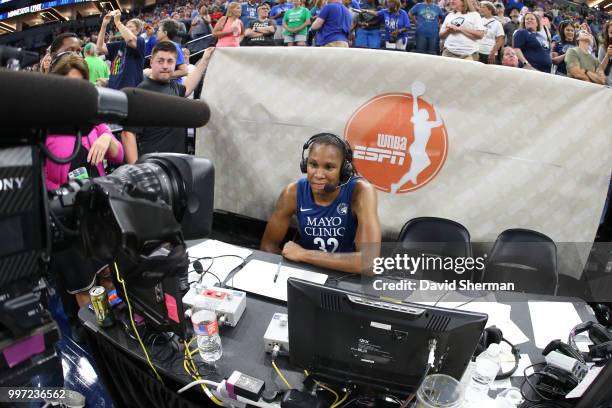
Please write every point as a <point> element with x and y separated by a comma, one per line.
<point>329,228</point>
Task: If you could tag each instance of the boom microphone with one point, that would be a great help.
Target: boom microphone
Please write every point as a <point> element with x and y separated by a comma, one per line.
<point>330,188</point>
<point>36,100</point>
<point>31,99</point>
<point>146,108</point>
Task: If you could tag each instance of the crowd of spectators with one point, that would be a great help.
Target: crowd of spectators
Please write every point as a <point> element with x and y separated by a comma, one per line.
<point>536,34</point>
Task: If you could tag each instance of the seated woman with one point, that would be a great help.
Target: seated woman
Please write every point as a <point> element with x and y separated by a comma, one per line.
<point>337,212</point>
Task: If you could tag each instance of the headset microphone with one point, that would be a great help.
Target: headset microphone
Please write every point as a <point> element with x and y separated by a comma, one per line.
<point>330,188</point>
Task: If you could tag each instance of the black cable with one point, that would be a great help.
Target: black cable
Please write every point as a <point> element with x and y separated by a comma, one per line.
<point>469,301</point>
<point>195,258</point>
<point>533,387</point>
<point>441,297</point>
<point>65,229</point>
<point>338,279</point>
<point>163,356</point>
<point>53,158</point>
<point>212,259</point>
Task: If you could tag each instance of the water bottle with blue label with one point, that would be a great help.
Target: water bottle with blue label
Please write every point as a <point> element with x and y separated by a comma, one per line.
<point>206,329</point>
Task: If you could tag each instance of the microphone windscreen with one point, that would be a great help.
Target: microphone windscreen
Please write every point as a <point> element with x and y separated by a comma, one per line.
<point>32,99</point>
<point>329,188</point>
<point>148,109</point>
<point>197,266</point>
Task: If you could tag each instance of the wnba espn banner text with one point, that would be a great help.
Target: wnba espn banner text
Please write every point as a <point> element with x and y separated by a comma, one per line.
<point>490,147</point>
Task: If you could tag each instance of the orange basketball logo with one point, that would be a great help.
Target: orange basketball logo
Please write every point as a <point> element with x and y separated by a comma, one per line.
<point>399,140</point>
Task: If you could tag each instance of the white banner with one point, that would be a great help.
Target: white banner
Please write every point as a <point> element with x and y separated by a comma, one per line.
<point>490,147</point>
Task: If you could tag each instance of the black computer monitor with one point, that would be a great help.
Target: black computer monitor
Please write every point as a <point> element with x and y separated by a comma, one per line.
<point>347,337</point>
<point>599,393</point>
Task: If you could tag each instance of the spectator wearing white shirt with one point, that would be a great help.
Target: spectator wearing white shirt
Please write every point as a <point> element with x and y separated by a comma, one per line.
<point>461,30</point>
<point>490,45</point>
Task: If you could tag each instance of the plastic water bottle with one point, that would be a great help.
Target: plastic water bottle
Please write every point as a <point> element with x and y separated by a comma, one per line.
<point>206,329</point>
<point>484,373</point>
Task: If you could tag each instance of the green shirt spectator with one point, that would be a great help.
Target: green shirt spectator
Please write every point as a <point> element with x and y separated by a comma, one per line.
<point>295,18</point>
<point>98,68</point>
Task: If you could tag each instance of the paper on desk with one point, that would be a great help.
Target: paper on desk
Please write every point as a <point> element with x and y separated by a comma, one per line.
<point>585,383</point>
<point>499,315</point>
<point>258,277</point>
<point>222,266</point>
<point>552,320</point>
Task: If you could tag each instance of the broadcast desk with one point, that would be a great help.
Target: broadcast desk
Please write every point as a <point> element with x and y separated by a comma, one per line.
<point>243,344</point>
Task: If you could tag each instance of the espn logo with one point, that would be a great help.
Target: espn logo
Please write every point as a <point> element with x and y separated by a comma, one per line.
<point>391,148</point>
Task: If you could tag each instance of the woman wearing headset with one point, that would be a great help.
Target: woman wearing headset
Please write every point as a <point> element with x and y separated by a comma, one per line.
<point>337,213</point>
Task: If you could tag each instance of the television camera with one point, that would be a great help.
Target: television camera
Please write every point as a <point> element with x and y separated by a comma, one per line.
<point>138,217</point>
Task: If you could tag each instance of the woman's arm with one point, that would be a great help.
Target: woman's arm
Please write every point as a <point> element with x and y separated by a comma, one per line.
<point>278,224</point>
<point>522,59</point>
<point>218,30</point>
<point>471,33</point>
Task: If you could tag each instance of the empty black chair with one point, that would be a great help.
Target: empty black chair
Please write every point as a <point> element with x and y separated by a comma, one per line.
<point>526,258</point>
<point>436,238</point>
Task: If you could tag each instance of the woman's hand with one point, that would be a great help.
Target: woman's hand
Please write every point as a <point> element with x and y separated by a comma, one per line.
<point>98,149</point>
<point>491,58</point>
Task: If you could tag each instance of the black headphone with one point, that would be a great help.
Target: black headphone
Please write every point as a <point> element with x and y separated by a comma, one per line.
<point>492,335</point>
<point>565,349</point>
<point>59,56</point>
<point>554,383</point>
<point>346,171</point>
<point>601,349</point>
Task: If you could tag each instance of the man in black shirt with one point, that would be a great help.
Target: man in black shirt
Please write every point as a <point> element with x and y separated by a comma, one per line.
<point>139,141</point>
<point>261,30</point>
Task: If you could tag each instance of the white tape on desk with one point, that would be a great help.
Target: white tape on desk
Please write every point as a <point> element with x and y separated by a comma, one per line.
<point>551,321</point>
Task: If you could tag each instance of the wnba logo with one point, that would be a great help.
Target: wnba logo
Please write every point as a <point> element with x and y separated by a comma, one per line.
<point>399,140</point>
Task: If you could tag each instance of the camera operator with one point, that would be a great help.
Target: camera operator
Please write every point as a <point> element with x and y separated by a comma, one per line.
<point>75,273</point>
<point>62,43</point>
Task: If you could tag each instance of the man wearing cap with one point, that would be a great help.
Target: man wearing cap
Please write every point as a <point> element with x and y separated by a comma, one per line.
<point>511,26</point>
<point>98,69</point>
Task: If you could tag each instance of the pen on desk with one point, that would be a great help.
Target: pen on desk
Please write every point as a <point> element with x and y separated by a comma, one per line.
<point>278,270</point>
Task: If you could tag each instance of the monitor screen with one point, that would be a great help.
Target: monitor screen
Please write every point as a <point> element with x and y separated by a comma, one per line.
<point>347,337</point>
